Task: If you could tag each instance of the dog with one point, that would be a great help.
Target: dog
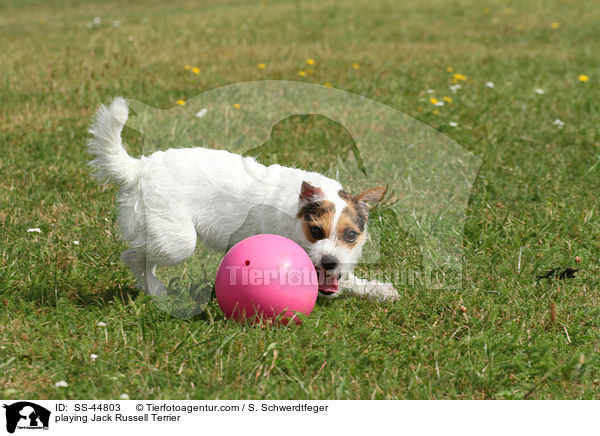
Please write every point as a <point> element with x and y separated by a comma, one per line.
<point>171,199</point>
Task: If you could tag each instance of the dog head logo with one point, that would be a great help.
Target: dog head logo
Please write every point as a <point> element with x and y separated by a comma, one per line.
<point>26,415</point>
<point>419,177</point>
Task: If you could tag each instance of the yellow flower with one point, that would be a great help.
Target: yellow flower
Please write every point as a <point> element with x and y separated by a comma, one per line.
<point>583,78</point>
<point>302,73</point>
<point>435,112</point>
<point>448,99</point>
<point>180,102</point>
<point>236,106</point>
<point>355,66</point>
<point>449,69</point>
<point>433,100</point>
<point>327,84</point>
<point>196,70</point>
<point>486,10</point>
<point>555,25</point>
<point>459,76</point>
<point>186,67</point>
<point>262,66</point>
<point>310,61</point>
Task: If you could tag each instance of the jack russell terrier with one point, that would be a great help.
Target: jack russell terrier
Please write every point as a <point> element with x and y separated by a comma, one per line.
<point>170,199</point>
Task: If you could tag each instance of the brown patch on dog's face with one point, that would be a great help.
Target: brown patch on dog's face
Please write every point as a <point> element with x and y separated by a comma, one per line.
<point>353,220</point>
<point>356,211</point>
<point>317,220</point>
<point>350,229</point>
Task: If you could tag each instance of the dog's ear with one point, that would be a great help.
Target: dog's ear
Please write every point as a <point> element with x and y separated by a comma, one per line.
<point>310,193</point>
<point>371,196</point>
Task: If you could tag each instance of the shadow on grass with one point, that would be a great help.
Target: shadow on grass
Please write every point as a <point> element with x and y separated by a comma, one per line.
<point>119,292</point>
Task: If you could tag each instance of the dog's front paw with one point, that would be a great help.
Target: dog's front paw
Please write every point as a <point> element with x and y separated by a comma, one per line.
<point>382,292</point>
<point>356,287</point>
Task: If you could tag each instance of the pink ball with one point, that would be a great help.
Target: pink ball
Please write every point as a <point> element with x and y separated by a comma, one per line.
<point>266,277</point>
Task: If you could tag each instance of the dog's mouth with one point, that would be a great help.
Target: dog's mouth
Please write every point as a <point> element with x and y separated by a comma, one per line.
<point>328,282</point>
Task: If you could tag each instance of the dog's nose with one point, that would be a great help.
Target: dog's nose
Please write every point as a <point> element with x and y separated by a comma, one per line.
<point>329,262</point>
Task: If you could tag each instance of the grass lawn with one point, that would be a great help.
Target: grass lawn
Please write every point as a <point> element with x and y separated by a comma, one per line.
<point>534,205</point>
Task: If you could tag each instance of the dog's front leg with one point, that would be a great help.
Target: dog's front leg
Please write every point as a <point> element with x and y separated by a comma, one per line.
<point>356,287</point>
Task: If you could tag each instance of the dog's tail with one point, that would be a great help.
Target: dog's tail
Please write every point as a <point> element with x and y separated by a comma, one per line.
<point>111,162</point>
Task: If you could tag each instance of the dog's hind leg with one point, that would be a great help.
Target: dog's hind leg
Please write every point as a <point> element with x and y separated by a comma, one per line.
<point>153,285</point>
<point>137,264</point>
<point>144,272</point>
<point>167,246</point>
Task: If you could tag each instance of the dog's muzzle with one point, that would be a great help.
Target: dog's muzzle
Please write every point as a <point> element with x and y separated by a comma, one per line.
<point>328,282</point>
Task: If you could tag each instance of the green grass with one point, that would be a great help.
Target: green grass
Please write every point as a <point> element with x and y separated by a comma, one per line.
<point>534,204</point>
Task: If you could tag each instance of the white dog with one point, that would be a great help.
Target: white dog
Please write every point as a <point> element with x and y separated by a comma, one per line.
<point>170,199</point>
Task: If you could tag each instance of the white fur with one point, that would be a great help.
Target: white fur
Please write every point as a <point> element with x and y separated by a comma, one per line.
<point>171,198</point>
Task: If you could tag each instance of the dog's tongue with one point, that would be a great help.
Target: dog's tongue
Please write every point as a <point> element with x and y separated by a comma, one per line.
<point>330,285</point>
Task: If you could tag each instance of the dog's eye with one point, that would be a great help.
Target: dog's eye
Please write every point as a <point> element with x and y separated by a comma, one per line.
<point>350,236</point>
<point>316,232</point>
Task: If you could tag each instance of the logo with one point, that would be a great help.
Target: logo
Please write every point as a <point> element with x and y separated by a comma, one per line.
<point>428,175</point>
<point>26,415</point>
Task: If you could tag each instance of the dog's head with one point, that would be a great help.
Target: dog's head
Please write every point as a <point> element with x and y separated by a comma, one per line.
<point>333,225</point>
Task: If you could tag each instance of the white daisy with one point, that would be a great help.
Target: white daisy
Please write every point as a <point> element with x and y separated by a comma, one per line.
<point>201,113</point>
<point>124,397</point>
<point>453,124</point>
<point>97,21</point>
<point>490,84</point>
<point>539,91</point>
<point>61,384</point>
<point>93,356</point>
<point>101,324</point>
<point>455,87</point>
<point>558,123</point>
<point>430,91</point>
<point>75,242</point>
<point>34,230</point>
<point>439,103</point>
